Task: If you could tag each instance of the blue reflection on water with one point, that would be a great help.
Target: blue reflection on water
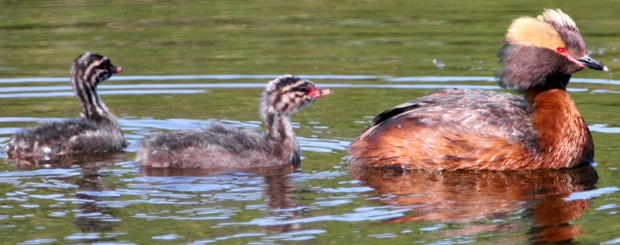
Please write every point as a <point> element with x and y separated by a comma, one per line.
<point>193,88</point>
<point>319,77</point>
<point>15,92</point>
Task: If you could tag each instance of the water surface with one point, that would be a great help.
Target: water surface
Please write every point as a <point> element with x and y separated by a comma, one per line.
<point>190,64</point>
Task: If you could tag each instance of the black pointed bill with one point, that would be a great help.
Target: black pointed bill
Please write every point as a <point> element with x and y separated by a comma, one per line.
<point>591,63</point>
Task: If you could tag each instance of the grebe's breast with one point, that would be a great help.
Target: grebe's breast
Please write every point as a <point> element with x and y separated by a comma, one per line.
<point>73,136</point>
<point>450,129</point>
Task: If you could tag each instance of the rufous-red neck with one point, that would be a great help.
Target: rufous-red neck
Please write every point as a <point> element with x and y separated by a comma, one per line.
<point>562,133</point>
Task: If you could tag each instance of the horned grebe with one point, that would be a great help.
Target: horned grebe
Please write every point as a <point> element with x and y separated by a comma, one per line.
<point>475,129</point>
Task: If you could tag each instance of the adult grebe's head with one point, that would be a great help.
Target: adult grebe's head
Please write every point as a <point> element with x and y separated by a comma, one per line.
<point>539,50</point>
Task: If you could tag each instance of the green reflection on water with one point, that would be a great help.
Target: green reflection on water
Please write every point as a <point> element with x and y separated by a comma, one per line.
<point>38,38</point>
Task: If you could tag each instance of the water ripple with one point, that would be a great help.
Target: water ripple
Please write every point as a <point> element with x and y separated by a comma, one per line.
<point>52,172</point>
<point>39,241</point>
<point>585,195</point>
<point>603,128</point>
<point>190,77</point>
<point>298,235</point>
<point>115,92</point>
<point>361,214</point>
<point>143,89</point>
<point>318,77</point>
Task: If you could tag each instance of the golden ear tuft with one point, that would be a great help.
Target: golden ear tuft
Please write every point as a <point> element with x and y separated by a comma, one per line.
<point>558,18</point>
<point>528,31</point>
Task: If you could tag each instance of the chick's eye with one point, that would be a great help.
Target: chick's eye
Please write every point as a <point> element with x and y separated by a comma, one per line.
<point>303,89</point>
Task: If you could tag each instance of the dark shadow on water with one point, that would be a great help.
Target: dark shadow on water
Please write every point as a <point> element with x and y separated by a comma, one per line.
<point>470,197</point>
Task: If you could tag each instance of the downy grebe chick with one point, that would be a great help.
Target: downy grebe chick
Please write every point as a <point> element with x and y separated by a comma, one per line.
<point>220,147</point>
<point>95,131</point>
<point>475,129</point>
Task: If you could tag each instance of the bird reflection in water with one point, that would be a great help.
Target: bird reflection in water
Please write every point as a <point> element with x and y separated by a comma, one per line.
<point>92,218</point>
<point>539,197</point>
<point>280,191</point>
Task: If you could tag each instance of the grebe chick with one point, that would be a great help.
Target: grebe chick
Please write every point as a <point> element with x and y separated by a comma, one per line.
<point>220,147</point>
<point>475,129</point>
<point>95,131</point>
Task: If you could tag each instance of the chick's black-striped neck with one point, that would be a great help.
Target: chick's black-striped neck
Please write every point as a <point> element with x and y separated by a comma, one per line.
<point>87,72</point>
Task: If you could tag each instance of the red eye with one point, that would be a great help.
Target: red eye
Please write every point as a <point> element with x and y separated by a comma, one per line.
<point>561,50</point>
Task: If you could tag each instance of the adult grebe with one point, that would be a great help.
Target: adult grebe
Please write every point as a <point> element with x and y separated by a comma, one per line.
<point>475,129</point>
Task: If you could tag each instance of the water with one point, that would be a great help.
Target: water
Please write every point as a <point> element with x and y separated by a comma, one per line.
<point>189,64</point>
<point>109,199</point>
